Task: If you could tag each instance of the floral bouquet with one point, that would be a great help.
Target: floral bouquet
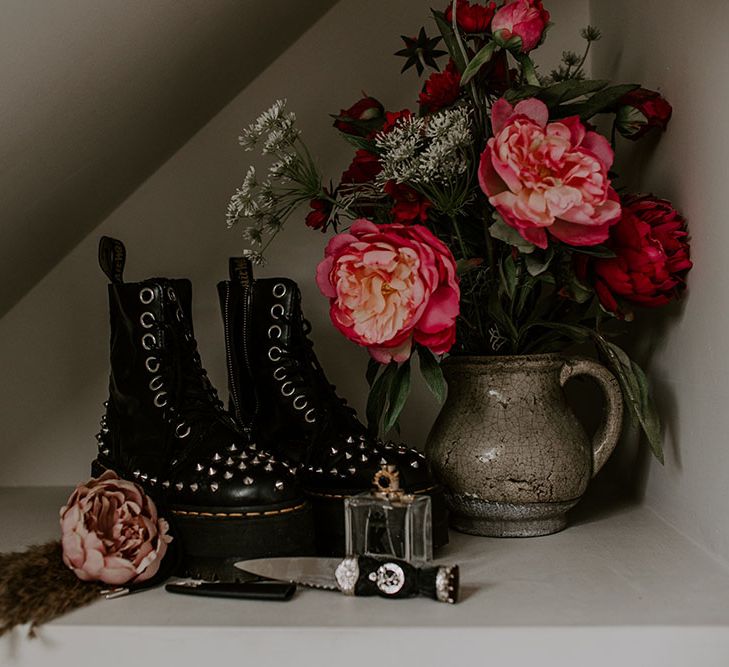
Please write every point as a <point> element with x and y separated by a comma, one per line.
<point>489,220</point>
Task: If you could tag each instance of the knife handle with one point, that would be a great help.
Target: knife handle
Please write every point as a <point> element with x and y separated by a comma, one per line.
<point>391,578</point>
<point>250,590</point>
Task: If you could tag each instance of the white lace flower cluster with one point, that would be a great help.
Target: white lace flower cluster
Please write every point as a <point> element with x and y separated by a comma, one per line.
<point>266,203</point>
<point>425,151</point>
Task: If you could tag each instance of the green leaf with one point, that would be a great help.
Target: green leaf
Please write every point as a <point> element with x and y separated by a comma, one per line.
<point>377,398</point>
<point>601,101</point>
<point>477,62</point>
<point>537,263</point>
<point>568,90</point>
<point>514,95</point>
<point>574,332</point>
<point>637,398</point>
<point>508,277</point>
<point>463,266</point>
<point>503,232</point>
<point>594,251</point>
<point>360,142</point>
<point>449,38</point>
<point>373,368</point>
<point>398,395</point>
<point>432,373</point>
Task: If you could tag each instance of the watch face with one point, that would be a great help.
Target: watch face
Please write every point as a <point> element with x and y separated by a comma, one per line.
<point>390,578</point>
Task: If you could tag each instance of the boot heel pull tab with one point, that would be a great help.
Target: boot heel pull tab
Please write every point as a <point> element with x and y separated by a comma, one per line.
<point>241,271</point>
<point>112,257</point>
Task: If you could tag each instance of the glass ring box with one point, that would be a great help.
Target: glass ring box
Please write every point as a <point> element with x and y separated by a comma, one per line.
<point>389,522</point>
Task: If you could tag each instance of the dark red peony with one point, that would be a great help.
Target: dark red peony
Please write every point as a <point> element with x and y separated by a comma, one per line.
<point>441,89</point>
<point>318,217</point>
<point>471,18</point>
<point>410,206</point>
<point>391,118</point>
<point>640,111</point>
<point>359,118</point>
<point>652,255</point>
<point>363,168</point>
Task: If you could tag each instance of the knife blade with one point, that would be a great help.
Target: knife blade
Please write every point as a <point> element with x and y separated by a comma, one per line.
<point>361,576</point>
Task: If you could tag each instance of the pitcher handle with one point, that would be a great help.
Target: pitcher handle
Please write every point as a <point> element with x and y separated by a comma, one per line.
<point>609,432</point>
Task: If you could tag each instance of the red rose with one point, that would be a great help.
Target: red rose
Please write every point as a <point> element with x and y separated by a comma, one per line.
<point>410,206</point>
<point>640,111</point>
<point>319,214</point>
<point>526,19</point>
<point>359,117</point>
<point>652,255</point>
<point>471,18</point>
<point>441,89</point>
<point>391,118</point>
<point>363,169</point>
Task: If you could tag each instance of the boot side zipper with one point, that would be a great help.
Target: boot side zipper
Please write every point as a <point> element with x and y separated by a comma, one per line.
<point>246,355</point>
<point>232,381</point>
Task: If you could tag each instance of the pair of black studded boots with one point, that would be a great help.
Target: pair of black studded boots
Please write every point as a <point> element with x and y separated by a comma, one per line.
<point>266,477</point>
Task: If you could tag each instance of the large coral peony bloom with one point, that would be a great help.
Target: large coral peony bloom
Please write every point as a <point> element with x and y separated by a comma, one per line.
<point>543,176</point>
<point>390,285</point>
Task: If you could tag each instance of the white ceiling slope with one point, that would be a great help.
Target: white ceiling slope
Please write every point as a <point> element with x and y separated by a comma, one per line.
<point>95,94</point>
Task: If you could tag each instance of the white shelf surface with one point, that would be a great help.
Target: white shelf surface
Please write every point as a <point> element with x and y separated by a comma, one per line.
<point>619,584</point>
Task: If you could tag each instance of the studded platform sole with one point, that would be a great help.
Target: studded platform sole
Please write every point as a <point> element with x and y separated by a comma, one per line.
<point>215,538</point>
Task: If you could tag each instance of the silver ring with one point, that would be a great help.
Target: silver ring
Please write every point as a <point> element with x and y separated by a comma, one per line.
<point>271,330</point>
<point>156,383</point>
<point>160,400</point>
<point>285,391</point>
<point>271,353</point>
<point>279,290</point>
<point>298,404</point>
<point>178,314</point>
<point>309,416</point>
<point>146,319</point>
<point>184,433</point>
<point>171,294</point>
<point>146,295</point>
<point>277,308</point>
<point>279,374</point>
<point>148,364</point>
<point>145,344</point>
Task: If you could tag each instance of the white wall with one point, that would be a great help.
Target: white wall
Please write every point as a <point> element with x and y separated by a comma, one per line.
<point>669,46</point>
<point>53,343</point>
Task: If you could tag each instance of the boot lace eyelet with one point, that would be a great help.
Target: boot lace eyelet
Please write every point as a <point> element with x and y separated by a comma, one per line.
<point>310,417</point>
<point>147,319</point>
<point>151,364</point>
<point>179,314</point>
<point>300,403</point>
<point>146,295</point>
<point>149,341</point>
<point>182,430</point>
<point>287,388</point>
<point>277,311</point>
<point>160,400</point>
<point>274,354</point>
<point>279,374</point>
<point>279,290</point>
<point>274,332</point>
<point>171,294</point>
<point>156,383</point>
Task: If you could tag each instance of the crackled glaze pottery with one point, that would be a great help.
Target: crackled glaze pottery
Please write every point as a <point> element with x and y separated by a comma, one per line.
<point>509,449</point>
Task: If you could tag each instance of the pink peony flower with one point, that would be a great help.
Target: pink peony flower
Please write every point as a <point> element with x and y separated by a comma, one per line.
<point>389,285</point>
<point>111,532</point>
<point>526,19</point>
<point>548,176</point>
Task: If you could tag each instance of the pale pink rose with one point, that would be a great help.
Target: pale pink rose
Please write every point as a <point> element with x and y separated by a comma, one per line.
<point>548,176</point>
<point>390,285</point>
<point>111,532</point>
<point>526,19</point>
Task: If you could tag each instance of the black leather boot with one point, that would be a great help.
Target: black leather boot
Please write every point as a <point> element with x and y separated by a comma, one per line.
<point>166,429</point>
<point>279,390</point>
